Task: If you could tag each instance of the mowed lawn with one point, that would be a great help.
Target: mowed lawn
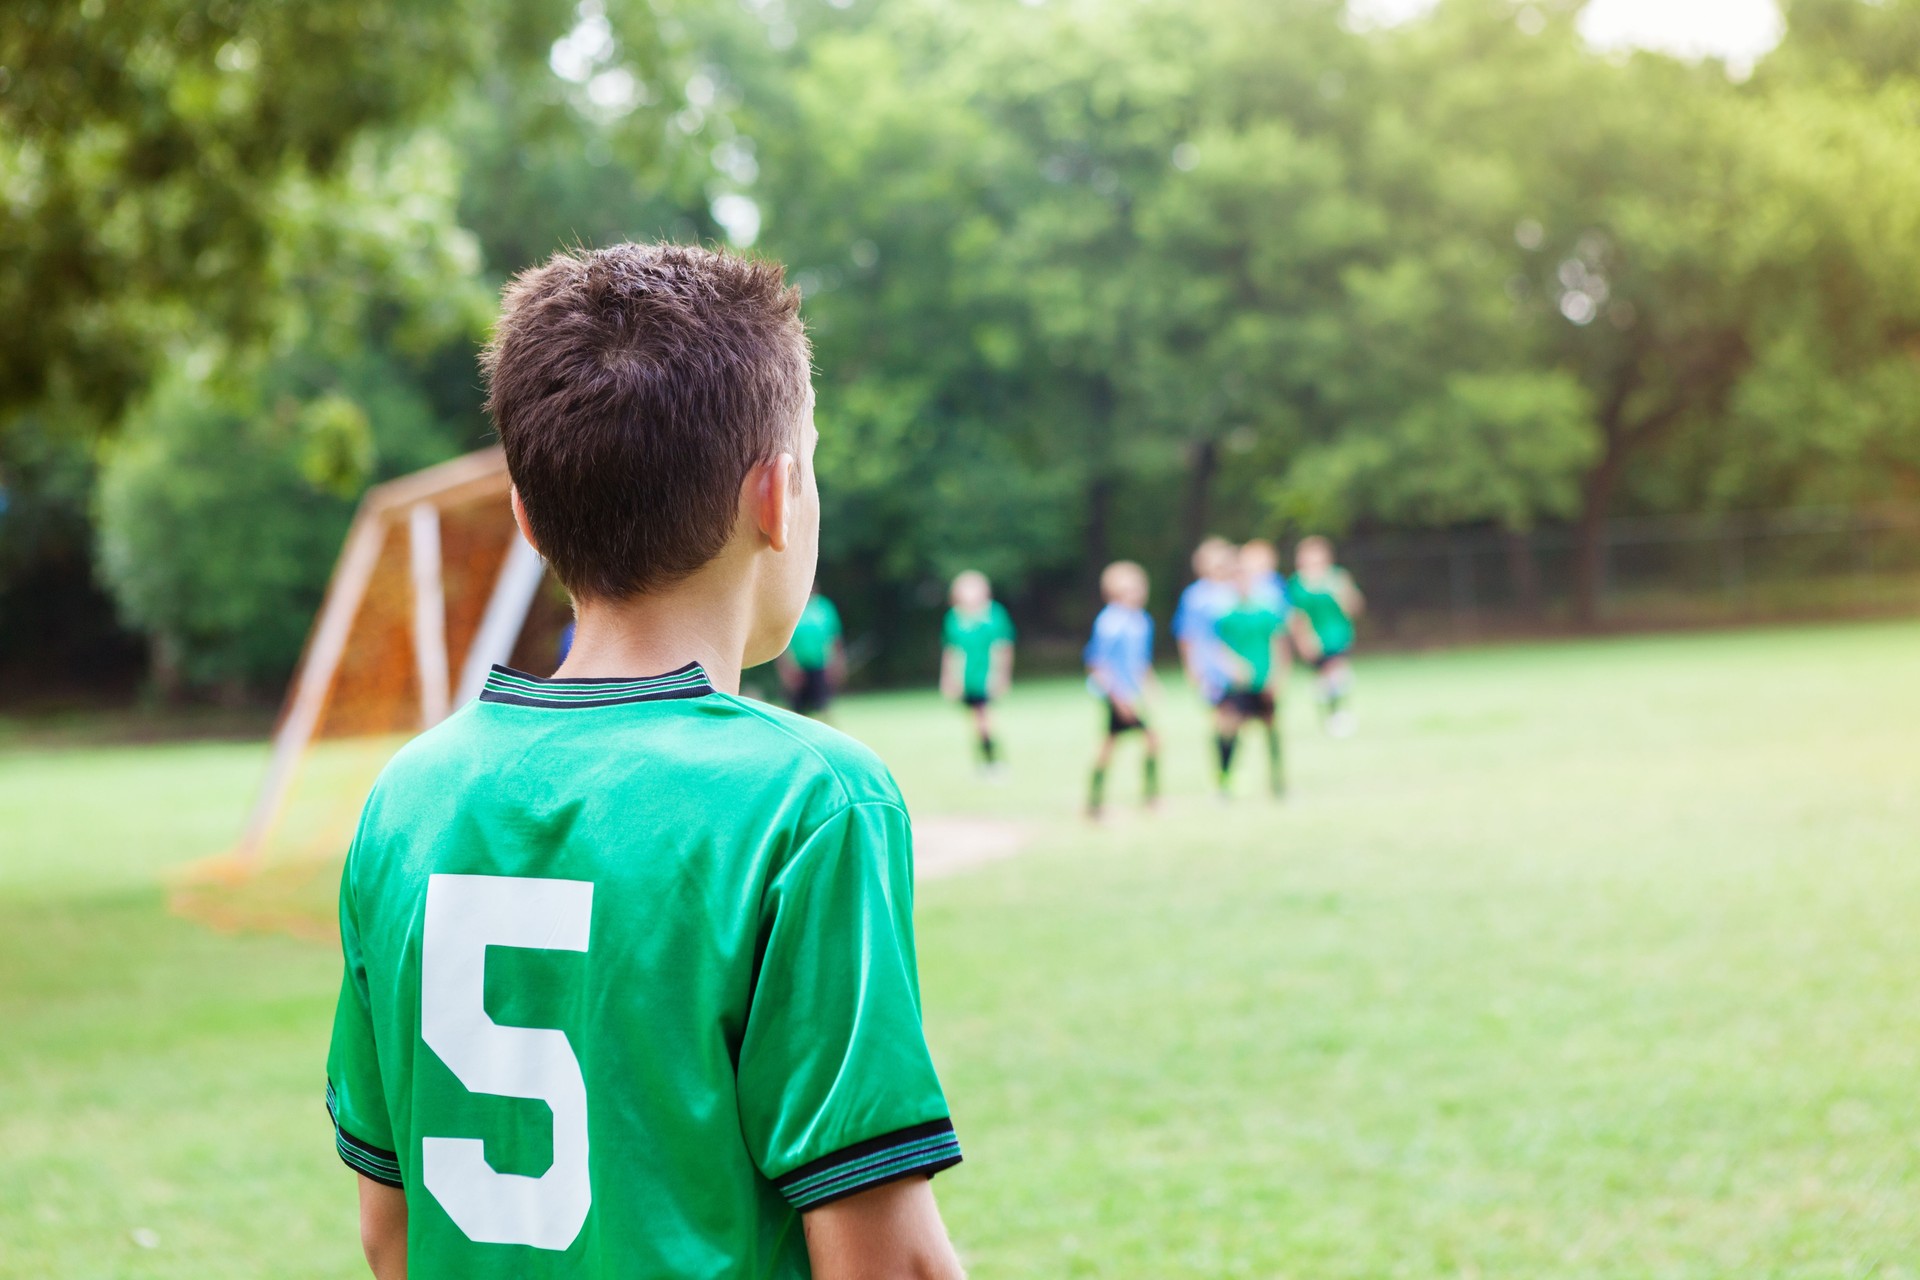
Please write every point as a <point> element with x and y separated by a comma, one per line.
<point>1582,960</point>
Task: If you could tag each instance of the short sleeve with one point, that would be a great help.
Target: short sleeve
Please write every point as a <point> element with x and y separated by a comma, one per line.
<point>356,1101</point>
<point>837,1089</point>
<point>832,618</point>
<point>1098,642</point>
<point>1183,618</point>
<point>1003,624</point>
<point>950,629</point>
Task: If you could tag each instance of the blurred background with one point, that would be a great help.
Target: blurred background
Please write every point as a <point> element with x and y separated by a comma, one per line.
<point>1563,317</point>
<point>1591,332</point>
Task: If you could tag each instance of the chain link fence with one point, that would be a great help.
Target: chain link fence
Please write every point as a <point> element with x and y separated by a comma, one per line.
<point>1674,571</point>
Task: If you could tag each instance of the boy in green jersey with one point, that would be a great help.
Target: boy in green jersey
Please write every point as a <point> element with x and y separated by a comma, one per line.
<point>976,657</point>
<point>630,986</point>
<point>815,660</point>
<point>1325,605</point>
<point>1254,635</point>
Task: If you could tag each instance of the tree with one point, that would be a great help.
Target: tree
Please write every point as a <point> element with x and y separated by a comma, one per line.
<point>147,147</point>
<point>223,498</point>
<point>1850,41</point>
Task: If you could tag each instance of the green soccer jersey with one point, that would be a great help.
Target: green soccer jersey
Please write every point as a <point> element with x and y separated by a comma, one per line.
<point>812,645</point>
<point>1320,601</point>
<point>1247,630</point>
<point>975,636</point>
<point>630,983</point>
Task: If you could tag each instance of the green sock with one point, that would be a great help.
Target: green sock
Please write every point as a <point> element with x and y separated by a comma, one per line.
<point>1152,771</point>
<point>1226,745</point>
<point>1276,775</point>
<point>1096,794</point>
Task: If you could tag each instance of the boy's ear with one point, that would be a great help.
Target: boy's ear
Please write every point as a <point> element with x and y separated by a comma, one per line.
<point>520,515</point>
<point>770,493</point>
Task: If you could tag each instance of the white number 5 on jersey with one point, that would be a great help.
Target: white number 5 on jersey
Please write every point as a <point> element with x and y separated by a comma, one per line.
<point>465,916</point>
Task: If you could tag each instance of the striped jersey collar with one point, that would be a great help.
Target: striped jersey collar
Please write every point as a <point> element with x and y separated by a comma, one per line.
<point>519,689</point>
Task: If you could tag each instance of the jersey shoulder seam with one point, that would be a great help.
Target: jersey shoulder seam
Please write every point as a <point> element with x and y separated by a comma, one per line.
<point>812,838</point>
<point>833,770</point>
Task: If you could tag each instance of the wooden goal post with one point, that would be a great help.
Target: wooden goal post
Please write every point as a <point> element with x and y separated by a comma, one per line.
<point>413,506</point>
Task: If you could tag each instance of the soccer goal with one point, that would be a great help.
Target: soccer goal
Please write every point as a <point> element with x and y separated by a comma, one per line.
<point>433,586</point>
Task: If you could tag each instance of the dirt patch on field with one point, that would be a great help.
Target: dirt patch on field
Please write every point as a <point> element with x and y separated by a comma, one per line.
<point>947,846</point>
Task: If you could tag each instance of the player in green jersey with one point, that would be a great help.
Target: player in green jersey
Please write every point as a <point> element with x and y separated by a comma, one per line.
<point>630,985</point>
<point>976,658</point>
<point>1254,635</point>
<point>1326,603</point>
<point>815,660</point>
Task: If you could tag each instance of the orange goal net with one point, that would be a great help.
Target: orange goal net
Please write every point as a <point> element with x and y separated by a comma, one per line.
<point>433,585</point>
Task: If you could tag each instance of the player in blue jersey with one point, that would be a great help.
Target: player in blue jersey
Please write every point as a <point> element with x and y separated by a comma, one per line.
<point>1119,661</point>
<point>1212,594</point>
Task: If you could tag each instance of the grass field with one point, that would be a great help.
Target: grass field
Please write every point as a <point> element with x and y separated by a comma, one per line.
<point>1582,960</point>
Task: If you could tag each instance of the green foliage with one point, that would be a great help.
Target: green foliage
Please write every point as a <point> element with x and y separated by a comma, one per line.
<point>1085,279</point>
<point>192,471</point>
<point>1874,40</point>
<point>223,503</point>
<point>148,146</point>
<point>225,494</point>
<point>335,447</point>
<point>1236,265</point>
<point>1506,448</point>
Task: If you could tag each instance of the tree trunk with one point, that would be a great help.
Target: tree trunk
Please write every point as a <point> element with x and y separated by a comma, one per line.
<point>1523,571</point>
<point>1590,534</point>
<point>1098,547</point>
<point>1099,544</point>
<point>163,670</point>
<point>1196,512</point>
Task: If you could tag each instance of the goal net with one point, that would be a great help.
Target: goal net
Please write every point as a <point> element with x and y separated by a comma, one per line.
<point>433,585</point>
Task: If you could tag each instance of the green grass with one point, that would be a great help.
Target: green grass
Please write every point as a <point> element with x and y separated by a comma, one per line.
<point>1581,960</point>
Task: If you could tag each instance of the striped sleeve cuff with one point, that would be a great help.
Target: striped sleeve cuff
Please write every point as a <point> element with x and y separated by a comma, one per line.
<point>923,1149</point>
<point>362,1158</point>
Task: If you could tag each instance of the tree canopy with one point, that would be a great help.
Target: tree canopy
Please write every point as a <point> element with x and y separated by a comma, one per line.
<point>1086,278</point>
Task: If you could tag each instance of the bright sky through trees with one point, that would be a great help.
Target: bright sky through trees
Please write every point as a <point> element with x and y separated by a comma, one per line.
<point>1737,30</point>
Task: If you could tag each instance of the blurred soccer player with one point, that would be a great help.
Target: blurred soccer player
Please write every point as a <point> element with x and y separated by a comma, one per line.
<point>1119,660</point>
<point>1326,603</point>
<point>976,659</point>
<point>1260,565</point>
<point>1207,597</point>
<point>1253,632</point>
<point>815,661</point>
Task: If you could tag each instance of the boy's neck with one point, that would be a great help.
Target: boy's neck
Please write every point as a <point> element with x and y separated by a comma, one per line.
<point>653,634</point>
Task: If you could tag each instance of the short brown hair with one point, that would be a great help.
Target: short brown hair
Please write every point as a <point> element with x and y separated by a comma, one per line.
<point>633,388</point>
